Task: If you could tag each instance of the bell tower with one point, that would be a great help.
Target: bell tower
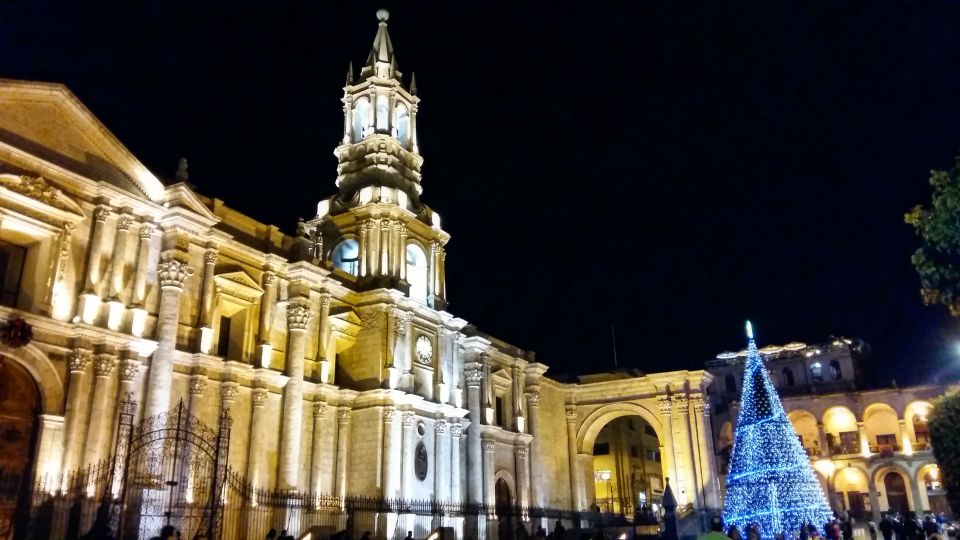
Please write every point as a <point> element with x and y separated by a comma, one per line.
<point>376,232</point>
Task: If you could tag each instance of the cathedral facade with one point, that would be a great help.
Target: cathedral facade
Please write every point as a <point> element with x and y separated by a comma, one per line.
<point>328,354</point>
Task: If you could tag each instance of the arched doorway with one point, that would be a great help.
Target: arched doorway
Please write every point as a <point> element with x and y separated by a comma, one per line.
<point>896,490</point>
<point>503,506</point>
<point>853,495</point>
<point>627,467</point>
<point>19,407</point>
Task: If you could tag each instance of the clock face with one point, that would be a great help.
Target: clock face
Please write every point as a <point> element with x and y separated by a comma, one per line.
<point>424,349</point>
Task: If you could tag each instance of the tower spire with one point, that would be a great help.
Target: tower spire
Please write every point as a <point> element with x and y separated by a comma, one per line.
<point>350,73</point>
<point>413,84</point>
<point>381,62</point>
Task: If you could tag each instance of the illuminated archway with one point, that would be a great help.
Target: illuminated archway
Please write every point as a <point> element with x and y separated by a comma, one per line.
<point>805,424</point>
<point>852,491</point>
<point>840,427</point>
<point>893,486</point>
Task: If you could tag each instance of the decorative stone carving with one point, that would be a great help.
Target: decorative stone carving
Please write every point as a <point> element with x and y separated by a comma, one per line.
<point>456,430</point>
<point>319,409</point>
<point>198,385</point>
<point>489,446</point>
<point>39,190</point>
<point>78,360</point>
<point>325,299</point>
<point>343,416</point>
<point>124,223</point>
<point>129,370</point>
<point>229,392</point>
<point>389,415</point>
<point>259,397</point>
<point>298,317</point>
<point>408,419</point>
<point>474,376</point>
<point>522,452</point>
<point>680,404</point>
<point>664,403</point>
<point>440,426</point>
<point>533,399</point>
<point>101,213</point>
<point>210,257</point>
<point>269,278</point>
<point>370,320</point>
<point>103,365</point>
<point>173,273</point>
<point>571,415</point>
<point>146,231</point>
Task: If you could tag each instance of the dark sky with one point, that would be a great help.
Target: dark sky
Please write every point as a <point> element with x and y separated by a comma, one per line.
<point>670,167</point>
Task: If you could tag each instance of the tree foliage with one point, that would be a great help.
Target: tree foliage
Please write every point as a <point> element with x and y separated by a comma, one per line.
<point>945,439</point>
<point>937,260</point>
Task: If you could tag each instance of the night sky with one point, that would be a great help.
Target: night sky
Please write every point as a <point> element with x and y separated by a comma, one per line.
<point>672,168</point>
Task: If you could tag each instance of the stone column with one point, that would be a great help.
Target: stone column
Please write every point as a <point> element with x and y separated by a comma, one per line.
<point>266,305</point>
<point>874,500</point>
<point>822,434</point>
<point>441,271</point>
<point>316,454</point>
<point>489,469</point>
<point>385,247</point>
<point>683,452</point>
<point>198,385</point>
<point>391,474</point>
<point>667,457</point>
<point>523,477</point>
<point>258,398</point>
<point>77,362</point>
<point>298,317</point>
<point>343,443</point>
<point>474,456</point>
<point>373,245</point>
<point>406,463</point>
<point>99,417</point>
<point>363,255</point>
<point>206,301</point>
<point>906,445</point>
<point>441,472</point>
<point>323,339</point>
<point>120,248</point>
<point>143,258</point>
<point>432,271</point>
<point>403,252</point>
<point>456,488</point>
<point>577,492</point>
<point>533,411</point>
<point>129,368</point>
<point>94,263</point>
<point>704,446</point>
<point>864,441</point>
<point>172,274</point>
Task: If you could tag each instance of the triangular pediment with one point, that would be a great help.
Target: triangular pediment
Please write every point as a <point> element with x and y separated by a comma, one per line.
<point>502,373</point>
<point>239,284</point>
<point>47,121</point>
<point>181,196</point>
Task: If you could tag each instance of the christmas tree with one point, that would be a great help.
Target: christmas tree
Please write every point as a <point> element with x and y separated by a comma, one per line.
<point>771,482</point>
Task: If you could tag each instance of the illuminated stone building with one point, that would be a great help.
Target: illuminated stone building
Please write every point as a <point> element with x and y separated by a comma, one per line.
<point>331,348</point>
<point>871,447</point>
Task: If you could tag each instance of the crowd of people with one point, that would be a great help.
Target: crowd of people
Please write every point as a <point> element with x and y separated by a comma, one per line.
<point>892,526</point>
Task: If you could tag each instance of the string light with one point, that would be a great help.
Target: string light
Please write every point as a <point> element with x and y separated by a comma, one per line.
<point>771,482</point>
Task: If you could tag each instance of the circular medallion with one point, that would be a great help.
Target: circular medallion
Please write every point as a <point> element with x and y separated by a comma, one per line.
<point>424,349</point>
<point>420,462</point>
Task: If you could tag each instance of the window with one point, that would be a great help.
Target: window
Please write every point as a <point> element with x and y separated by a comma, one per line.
<point>223,337</point>
<point>835,372</point>
<point>731,383</point>
<point>11,270</point>
<point>402,125</point>
<point>346,256</point>
<point>634,451</point>
<point>653,455</point>
<point>788,376</point>
<point>498,411</point>
<point>816,371</point>
<point>417,272</point>
<point>383,106</point>
<point>361,119</point>
<point>601,449</point>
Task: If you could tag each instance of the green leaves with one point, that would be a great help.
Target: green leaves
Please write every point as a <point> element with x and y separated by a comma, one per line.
<point>945,439</point>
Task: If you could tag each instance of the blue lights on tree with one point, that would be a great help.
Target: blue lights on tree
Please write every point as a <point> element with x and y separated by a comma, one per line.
<point>771,482</point>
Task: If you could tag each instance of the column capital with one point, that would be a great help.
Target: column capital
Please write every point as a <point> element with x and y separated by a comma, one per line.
<point>319,409</point>
<point>343,416</point>
<point>408,419</point>
<point>173,273</point>
<point>474,376</point>
<point>571,415</point>
<point>456,430</point>
<point>663,402</point>
<point>680,404</point>
<point>389,415</point>
<point>129,369</point>
<point>269,278</point>
<point>78,360</point>
<point>298,317</point>
<point>440,426</point>
<point>198,385</point>
<point>146,231</point>
<point>101,213</point>
<point>533,398</point>
<point>489,446</point>
<point>124,223</point>
<point>103,365</point>
<point>229,391</point>
<point>210,256</point>
<point>259,397</point>
<point>522,451</point>
<point>325,299</point>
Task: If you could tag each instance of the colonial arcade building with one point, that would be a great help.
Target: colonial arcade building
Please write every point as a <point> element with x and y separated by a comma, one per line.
<point>242,367</point>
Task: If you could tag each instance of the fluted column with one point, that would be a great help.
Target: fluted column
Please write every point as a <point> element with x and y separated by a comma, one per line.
<point>258,398</point>
<point>100,419</point>
<point>474,455</point>
<point>391,474</point>
<point>95,261</point>
<point>343,443</point>
<point>143,257</point>
<point>119,251</point>
<point>489,469</point>
<point>441,473</point>
<point>577,492</point>
<point>523,477</point>
<point>456,488</point>
<point>77,362</point>
<point>323,339</point>
<point>533,411</point>
<point>316,454</point>
<point>406,463</point>
<point>172,275</point>
<point>384,247</point>
<point>298,317</point>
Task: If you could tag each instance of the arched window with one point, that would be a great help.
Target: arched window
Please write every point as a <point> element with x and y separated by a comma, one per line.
<point>816,371</point>
<point>417,272</point>
<point>788,376</point>
<point>835,372</point>
<point>346,256</point>
<point>402,125</point>
<point>383,111</point>
<point>361,119</point>
<point>731,383</point>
